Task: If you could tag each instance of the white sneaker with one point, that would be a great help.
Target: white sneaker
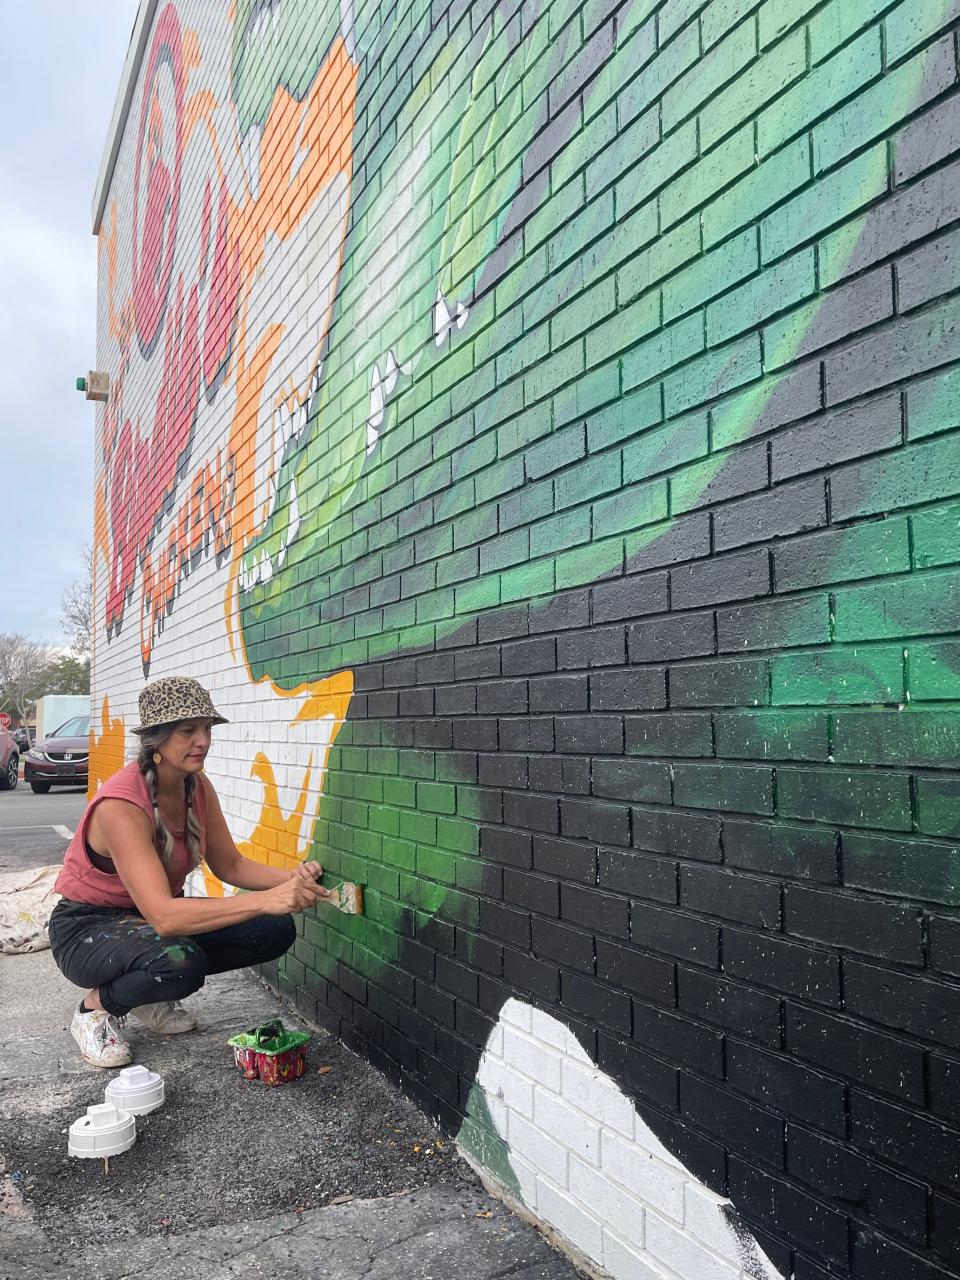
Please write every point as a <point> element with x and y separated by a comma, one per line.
<point>167,1017</point>
<point>98,1035</point>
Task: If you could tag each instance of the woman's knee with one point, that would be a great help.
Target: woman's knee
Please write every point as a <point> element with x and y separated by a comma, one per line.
<point>180,966</point>
<point>275,935</point>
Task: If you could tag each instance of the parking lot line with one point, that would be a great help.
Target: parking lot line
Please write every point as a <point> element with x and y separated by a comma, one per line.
<point>42,826</point>
<point>62,831</point>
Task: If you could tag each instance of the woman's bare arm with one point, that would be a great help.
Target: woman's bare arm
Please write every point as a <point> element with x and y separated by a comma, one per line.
<point>122,831</point>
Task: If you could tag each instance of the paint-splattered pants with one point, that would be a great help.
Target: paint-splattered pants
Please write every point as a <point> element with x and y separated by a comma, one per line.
<point>109,948</point>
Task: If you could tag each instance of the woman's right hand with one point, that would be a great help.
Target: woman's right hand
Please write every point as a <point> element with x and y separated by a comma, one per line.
<point>299,893</point>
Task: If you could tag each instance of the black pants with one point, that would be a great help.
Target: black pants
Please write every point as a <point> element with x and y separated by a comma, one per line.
<point>131,964</point>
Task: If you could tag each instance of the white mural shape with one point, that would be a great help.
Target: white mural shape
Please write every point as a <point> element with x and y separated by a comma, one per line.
<point>587,1165</point>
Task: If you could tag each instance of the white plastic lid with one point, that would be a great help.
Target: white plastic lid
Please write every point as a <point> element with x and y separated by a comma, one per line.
<point>136,1090</point>
<point>104,1131</point>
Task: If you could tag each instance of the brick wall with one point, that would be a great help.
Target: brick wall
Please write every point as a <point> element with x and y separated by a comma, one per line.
<point>539,425</point>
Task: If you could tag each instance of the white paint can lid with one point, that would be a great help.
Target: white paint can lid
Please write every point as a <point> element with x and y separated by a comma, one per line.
<point>136,1090</point>
<point>105,1130</point>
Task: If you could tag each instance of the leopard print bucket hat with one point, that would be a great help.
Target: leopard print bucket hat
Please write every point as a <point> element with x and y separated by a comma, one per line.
<point>175,698</point>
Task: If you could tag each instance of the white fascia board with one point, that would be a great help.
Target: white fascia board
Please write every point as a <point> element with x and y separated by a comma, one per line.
<point>128,83</point>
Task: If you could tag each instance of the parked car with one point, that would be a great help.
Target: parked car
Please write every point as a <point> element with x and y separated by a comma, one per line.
<point>24,738</point>
<point>9,761</point>
<point>62,759</point>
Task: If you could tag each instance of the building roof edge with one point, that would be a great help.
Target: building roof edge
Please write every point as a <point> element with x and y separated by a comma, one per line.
<point>128,82</point>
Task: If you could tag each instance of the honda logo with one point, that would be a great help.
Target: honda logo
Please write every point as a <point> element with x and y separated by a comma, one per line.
<point>67,755</point>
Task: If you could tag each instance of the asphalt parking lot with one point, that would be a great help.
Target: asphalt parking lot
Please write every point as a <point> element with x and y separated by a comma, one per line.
<point>35,830</point>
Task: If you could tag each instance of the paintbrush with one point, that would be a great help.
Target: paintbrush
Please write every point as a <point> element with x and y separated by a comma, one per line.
<point>348,898</point>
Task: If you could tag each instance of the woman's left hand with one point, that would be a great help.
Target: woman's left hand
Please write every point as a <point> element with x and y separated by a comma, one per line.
<point>308,870</point>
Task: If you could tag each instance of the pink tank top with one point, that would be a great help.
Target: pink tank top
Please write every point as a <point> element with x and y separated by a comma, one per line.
<point>81,881</point>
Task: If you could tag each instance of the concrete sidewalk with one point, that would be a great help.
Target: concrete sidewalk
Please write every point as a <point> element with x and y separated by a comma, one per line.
<point>230,1178</point>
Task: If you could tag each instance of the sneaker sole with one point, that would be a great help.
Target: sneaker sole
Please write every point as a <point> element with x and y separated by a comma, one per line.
<point>106,1066</point>
<point>168,1031</point>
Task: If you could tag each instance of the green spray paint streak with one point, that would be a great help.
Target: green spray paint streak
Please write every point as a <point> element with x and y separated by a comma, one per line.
<point>331,466</point>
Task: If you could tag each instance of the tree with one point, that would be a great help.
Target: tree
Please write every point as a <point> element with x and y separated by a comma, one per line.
<point>76,605</point>
<point>23,666</point>
<point>65,674</point>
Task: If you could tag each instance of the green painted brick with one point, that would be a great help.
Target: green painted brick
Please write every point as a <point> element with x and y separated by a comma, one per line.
<point>682,440</point>
<point>626,417</point>
<point>648,268</point>
<point>754,87</point>
<point>632,507</point>
<point>936,536</point>
<point>860,551</point>
<point>914,21</point>
<point>938,802</point>
<point>933,404</point>
<point>725,787</point>
<point>713,374</point>
<point>568,529</point>
<point>934,671</point>
<point>673,155</point>
<point>925,604</point>
<point>720,16</point>
<point>818,93</point>
<point>833,25</point>
<point>827,202</point>
<point>784,285</point>
<point>718,169</point>
<point>907,477</point>
<point>582,313</point>
<point>600,559</point>
<point>712,71</point>
<point>588,480</point>
<point>527,580</point>
<point>710,275</point>
<point>654,356</point>
<point>840,674</point>
<point>778,16</point>
<point>914,736</point>
<point>876,110</point>
<point>853,798</point>
<point>624,329</point>
<point>598,387</point>
<point>773,180</point>
<point>771,735</point>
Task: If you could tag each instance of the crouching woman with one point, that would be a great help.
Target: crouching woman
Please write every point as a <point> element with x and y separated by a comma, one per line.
<point>123,929</point>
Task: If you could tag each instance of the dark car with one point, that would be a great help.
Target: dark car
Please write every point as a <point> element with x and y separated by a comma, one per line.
<point>61,759</point>
<point>9,761</point>
<point>23,738</point>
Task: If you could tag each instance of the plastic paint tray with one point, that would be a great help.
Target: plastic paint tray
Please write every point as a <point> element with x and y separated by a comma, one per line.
<point>270,1053</point>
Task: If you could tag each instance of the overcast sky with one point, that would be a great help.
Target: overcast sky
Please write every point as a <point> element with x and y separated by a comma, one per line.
<point>60,77</point>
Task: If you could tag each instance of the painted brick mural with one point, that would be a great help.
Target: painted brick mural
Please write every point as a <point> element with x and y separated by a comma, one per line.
<point>539,425</point>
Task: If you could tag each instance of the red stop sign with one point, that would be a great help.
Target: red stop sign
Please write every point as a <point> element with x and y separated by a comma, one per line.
<point>6,720</point>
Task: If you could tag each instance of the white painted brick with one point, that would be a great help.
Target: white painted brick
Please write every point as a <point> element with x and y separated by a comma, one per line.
<point>701,1215</point>
<point>549,1031</point>
<point>644,1137</point>
<point>629,1264</point>
<point>498,1112</point>
<point>537,1061</point>
<point>536,1148</point>
<point>570,1219</point>
<point>611,1203</point>
<point>682,1253</point>
<point>516,1013</point>
<point>567,1125</point>
<point>646,1177</point>
<point>597,1098</point>
<point>515,1090</point>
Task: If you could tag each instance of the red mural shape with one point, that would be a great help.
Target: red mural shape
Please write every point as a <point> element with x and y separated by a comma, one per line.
<point>145,469</point>
<point>153,255</point>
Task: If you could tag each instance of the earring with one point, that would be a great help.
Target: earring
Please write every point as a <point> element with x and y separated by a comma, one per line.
<point>157,757</point>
